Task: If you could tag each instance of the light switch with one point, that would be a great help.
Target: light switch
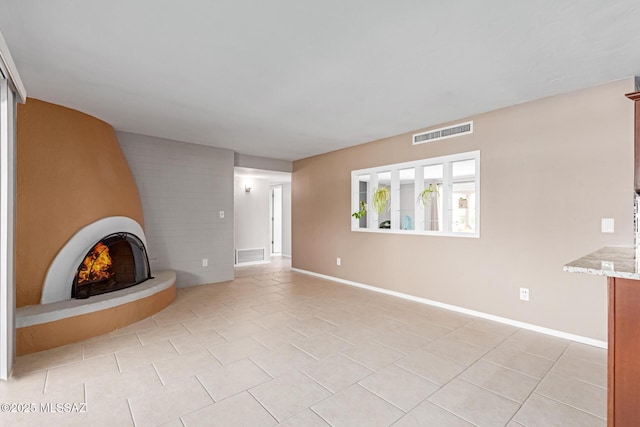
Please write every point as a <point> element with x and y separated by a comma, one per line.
<point>607,225</point>
<point>221,214</point>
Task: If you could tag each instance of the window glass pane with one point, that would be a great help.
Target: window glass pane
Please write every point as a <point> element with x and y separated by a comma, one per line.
<point>363,187</point>
<point>464,168</point>
<point>464,207</point>
<point>431,198</point>
<point>382,199</point>
<point>407,198</point>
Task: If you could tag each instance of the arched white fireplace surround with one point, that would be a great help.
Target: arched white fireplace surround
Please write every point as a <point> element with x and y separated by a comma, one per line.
<point>59,278</point>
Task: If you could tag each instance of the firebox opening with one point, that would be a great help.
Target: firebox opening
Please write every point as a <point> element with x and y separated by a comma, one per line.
<point>116,262</point>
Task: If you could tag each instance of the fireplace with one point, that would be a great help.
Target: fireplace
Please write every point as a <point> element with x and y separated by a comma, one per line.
<point>117,261</point>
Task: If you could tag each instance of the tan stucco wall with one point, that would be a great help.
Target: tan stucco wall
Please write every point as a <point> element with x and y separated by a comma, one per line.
<point>70,173</point>
<point>550,170</point>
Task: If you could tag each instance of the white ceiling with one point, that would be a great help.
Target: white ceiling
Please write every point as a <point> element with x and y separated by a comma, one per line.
<point>292,78</point>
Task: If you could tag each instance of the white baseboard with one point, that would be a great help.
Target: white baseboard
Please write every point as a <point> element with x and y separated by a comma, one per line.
<point>285,255</point>
<point>506,321</point>
<point>244,264</point>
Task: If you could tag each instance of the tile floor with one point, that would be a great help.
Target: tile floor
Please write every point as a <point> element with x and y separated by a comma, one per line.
<point>275,346</point>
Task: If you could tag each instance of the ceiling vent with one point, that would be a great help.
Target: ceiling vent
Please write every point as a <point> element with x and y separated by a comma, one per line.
<point>443,133</point>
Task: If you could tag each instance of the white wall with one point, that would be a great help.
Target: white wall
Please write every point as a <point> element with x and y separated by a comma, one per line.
<point>286,219</point>
<point>183,187</point>
<point>251,221</point>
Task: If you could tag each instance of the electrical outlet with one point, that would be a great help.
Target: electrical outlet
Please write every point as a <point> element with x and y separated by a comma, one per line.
<point>524,294</point>
<point>205,262</point>
<point>607,225</point>
<point>338,261</point>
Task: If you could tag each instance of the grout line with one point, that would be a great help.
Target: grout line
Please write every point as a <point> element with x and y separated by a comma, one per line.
<point>263,406</point>
<point>131,412</point>
<point>205,389</point>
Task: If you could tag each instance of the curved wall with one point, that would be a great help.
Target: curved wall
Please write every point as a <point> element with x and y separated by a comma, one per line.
<point>70,172</point>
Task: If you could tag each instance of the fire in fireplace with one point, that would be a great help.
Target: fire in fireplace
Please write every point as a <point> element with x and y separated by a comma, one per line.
<point>116,262</point>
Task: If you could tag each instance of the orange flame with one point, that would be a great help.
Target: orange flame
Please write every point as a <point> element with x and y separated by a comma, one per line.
<point>96,266</point>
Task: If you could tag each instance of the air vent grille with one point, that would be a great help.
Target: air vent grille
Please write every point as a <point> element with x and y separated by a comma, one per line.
<point>443,133</point>
<point>244,256</point>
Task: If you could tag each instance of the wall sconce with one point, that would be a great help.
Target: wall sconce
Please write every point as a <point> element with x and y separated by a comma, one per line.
<point>247,189</point>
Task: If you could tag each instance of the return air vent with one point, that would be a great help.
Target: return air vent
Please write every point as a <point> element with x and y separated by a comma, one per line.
<point>443,133</point>
<point>244,256</point>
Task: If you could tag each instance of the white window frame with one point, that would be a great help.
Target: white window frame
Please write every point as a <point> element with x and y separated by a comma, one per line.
<point>447,185</point>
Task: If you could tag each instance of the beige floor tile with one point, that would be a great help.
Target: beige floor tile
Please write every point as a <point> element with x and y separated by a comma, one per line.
<point>145,355</point>
<point>282,360</point>
<point>399,387</point>
<point>322,345</point>
<point>587,352</point>
<point>209,310</point>
<point>355,333</point>
<point>174,423</point>
<point>273,321</point>
<point>312,326</point>
<point>538,344</point>
<point>233,351</point>
<point>202,324</point>
<point>430,366</point>
<point>527,363</point>
<point>539,411</point>
<point>581,395</point>
<point>104,412</point>
<point>356,406</point>
<point>142,325</point>
<point>239,410</point>
<point>108,344</point>
<point>476,337</point>
<point>172,315</point>
<point>269,307</point>
<point>47,359</point>
<point>505,382</point>
<point>428,414</point>
<point>336,372</point>
<point>162,333</point>
<point>449,319</point>
<point>241,315</point>
<point>583,370</point>
<point>176,369</point>
<point>475,404</point>
<point>373,355</point>
<point>122,385</point>
<point>233,379</point>
<point>199,340</point>
<point>79,372</point>
<point>306,418</point>
<point>492,327</point>
<point>73,394</point>
<point>401,341</point>
<point>173,401</point>
<point>289,394</point>
<point>23,386</point>
<point>427,330</point>
<point>382,323</point>
<point>277,337</point>
<point>236,331</point>
<point>456,350</point>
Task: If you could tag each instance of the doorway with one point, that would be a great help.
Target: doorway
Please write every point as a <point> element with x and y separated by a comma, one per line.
<point>276,219</point>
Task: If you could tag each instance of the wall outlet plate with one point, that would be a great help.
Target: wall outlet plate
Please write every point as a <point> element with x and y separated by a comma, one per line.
<point>608,225</point>
<point>205,262</point>
<point>338,261</point>
<point>524,294</point>
<point>221,214</point>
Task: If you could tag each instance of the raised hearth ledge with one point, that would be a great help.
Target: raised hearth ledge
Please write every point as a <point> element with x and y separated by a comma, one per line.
<point>44,313</point>
<point>46,326</point>
<point>609,261</point>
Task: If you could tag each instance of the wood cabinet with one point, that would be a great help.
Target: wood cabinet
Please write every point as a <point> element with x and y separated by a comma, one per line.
<point>624,353</point>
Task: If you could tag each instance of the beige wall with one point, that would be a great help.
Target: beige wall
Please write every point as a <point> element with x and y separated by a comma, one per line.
<point>550,170</point>
<point>70,173</point>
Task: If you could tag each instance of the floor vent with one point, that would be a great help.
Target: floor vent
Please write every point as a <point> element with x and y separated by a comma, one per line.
<point>244,256</point>
<point>443,133</point>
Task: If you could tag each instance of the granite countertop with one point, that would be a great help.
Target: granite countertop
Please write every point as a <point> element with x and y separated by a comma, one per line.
<point>609,261</point>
